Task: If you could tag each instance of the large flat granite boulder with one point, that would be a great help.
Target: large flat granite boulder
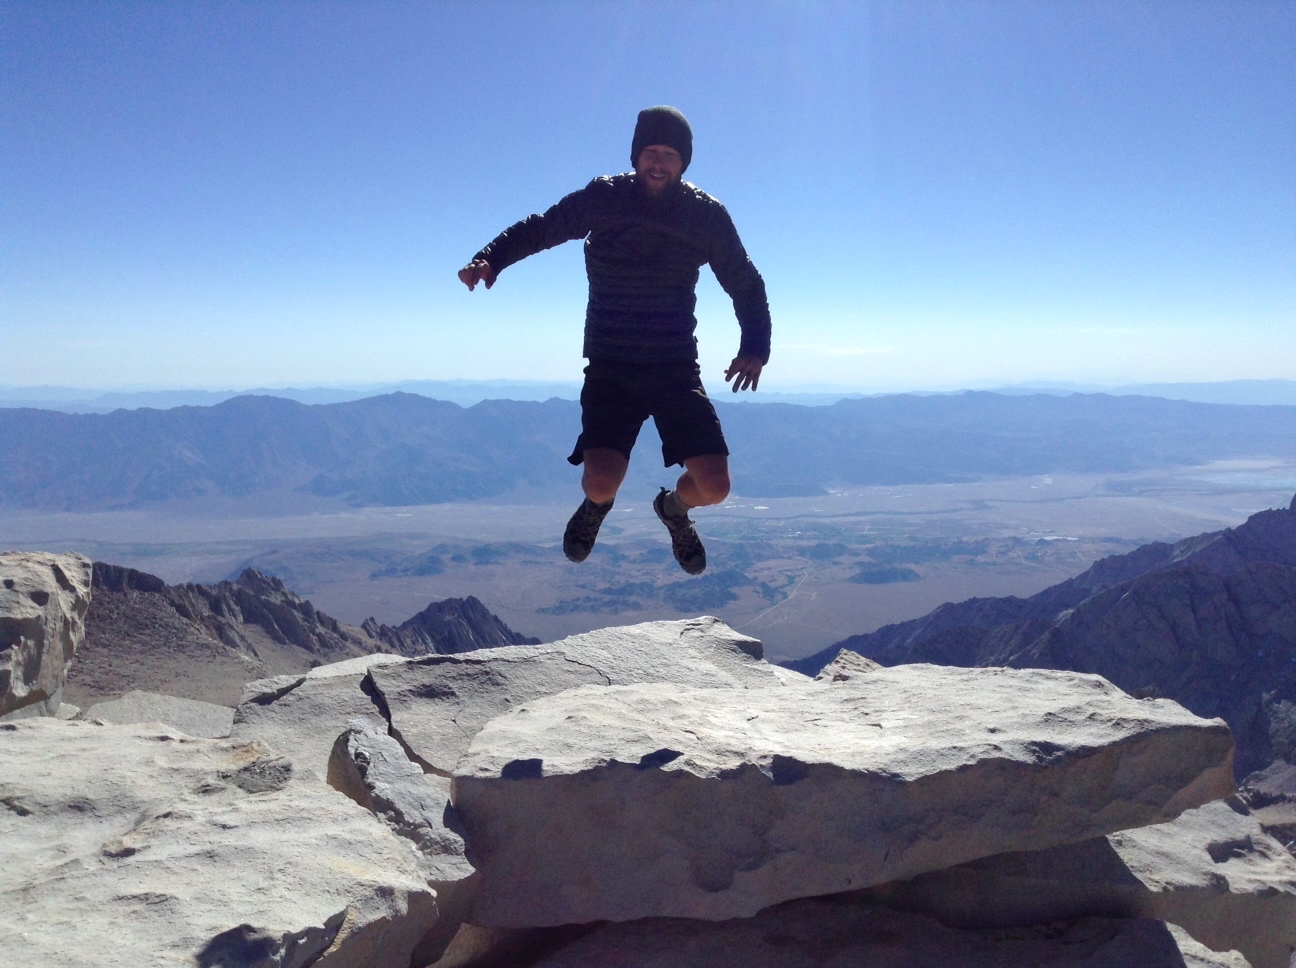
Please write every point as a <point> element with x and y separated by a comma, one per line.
<point>823,932</point>
<point>137,845</point>
<point>436,705</point>
<point>618,803</point>
<point>43,603</point>
<point>1213,871</point>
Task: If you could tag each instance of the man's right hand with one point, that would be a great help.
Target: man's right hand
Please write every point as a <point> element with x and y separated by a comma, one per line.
<point>479,270</point>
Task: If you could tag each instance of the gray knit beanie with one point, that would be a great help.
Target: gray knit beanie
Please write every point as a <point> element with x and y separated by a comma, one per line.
<point>662,125</point>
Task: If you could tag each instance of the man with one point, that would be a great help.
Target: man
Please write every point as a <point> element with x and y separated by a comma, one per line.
<point>647,234</point>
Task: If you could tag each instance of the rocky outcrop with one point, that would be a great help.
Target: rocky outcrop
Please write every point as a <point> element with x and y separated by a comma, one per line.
<point>848,665</point>
<point>372,769</point>
<point>43,603</point>
<point>617,803</point>
<point>201,642</point>
<point>205,642</point>
<point>447,627</point>
<point>1271,795</point>
<point>1209,622</point>
<point>303,715</point>
<point>134,845</point>
<point>628,773</point>
<point>437,705</point>
<point>1268,537</point>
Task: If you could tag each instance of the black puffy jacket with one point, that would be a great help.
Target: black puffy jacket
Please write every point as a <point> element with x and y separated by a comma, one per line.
<point>642,256</point>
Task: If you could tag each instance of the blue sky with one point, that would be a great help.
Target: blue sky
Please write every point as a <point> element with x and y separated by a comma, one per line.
<point>939,195</point>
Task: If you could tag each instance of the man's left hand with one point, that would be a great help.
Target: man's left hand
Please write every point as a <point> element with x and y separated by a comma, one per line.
<point>745,372</point>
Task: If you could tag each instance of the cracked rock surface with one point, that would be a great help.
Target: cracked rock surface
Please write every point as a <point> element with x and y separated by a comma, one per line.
<point>628,802</point>
<point>137,845</point>
<point>43,603</point>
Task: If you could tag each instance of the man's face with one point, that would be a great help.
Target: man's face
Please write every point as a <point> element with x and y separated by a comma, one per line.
<point>658,168</point>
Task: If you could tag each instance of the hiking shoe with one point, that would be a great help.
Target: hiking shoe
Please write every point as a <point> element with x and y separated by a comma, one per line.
<point>583,528</point>
<point>685,542</point>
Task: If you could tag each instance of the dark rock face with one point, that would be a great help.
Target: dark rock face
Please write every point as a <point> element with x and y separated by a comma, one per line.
<point>448,627</point>
<point>1209,622</point>
<point>205,641</point>
<point>229,611</point>
<point>201,641</point>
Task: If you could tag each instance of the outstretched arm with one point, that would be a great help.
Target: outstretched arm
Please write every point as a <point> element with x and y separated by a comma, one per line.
<point>569,219</point>
<point>745,372</point>
<point>479,270</point>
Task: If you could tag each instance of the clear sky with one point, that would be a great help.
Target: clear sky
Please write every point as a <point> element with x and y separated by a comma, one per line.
<point>938,194</point>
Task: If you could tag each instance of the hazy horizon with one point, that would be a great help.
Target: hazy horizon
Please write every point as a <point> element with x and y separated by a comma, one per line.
<point>467,392</point>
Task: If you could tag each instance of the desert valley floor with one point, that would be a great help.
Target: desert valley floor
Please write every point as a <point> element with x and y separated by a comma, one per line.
<point>798,573</point>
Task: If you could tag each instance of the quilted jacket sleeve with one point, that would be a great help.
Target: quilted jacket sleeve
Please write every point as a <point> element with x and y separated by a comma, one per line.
<point>569,219</point>
<point>739,278</point>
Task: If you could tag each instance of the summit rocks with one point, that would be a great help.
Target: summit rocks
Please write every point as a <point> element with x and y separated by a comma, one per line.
<point>137,845</point>
<point>43,603</point>
<point>489,808</point>
<point>619,803</point>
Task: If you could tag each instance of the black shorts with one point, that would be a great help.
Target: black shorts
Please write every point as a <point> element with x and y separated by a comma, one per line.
<point>618,397</point>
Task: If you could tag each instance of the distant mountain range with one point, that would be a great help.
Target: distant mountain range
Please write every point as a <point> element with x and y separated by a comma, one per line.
<point>1208,621</point>
<point>403,449</point>
<point>463,392</point>
<point>469,392</point>
<point>205,641</point>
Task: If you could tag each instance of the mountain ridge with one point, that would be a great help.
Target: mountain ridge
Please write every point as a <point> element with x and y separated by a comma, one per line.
<point>468,392</point>
<point>403,449</point>
<point>205,641</point>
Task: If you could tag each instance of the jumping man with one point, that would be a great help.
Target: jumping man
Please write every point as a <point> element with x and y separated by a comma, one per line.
<point>647,234</point>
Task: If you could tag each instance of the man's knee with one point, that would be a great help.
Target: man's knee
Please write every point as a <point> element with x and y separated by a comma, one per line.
<point>605,469</point>
<point>710,478</point>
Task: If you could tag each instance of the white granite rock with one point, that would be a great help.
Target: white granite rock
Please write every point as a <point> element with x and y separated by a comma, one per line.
<point>372,769</point>
<point>43,603</point>
<point>1271,795</point>
<point>1212,871</point>
<point>191,716</point>
<point>302,716</point>
<point>438,703</point>
<point>135,845</point>
<point>820,932</point>
<point>848,665</point>
<point>628,802</point>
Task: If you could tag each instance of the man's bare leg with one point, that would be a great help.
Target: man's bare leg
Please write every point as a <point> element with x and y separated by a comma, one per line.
<point>705,481</point>
<point>605,469</point>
